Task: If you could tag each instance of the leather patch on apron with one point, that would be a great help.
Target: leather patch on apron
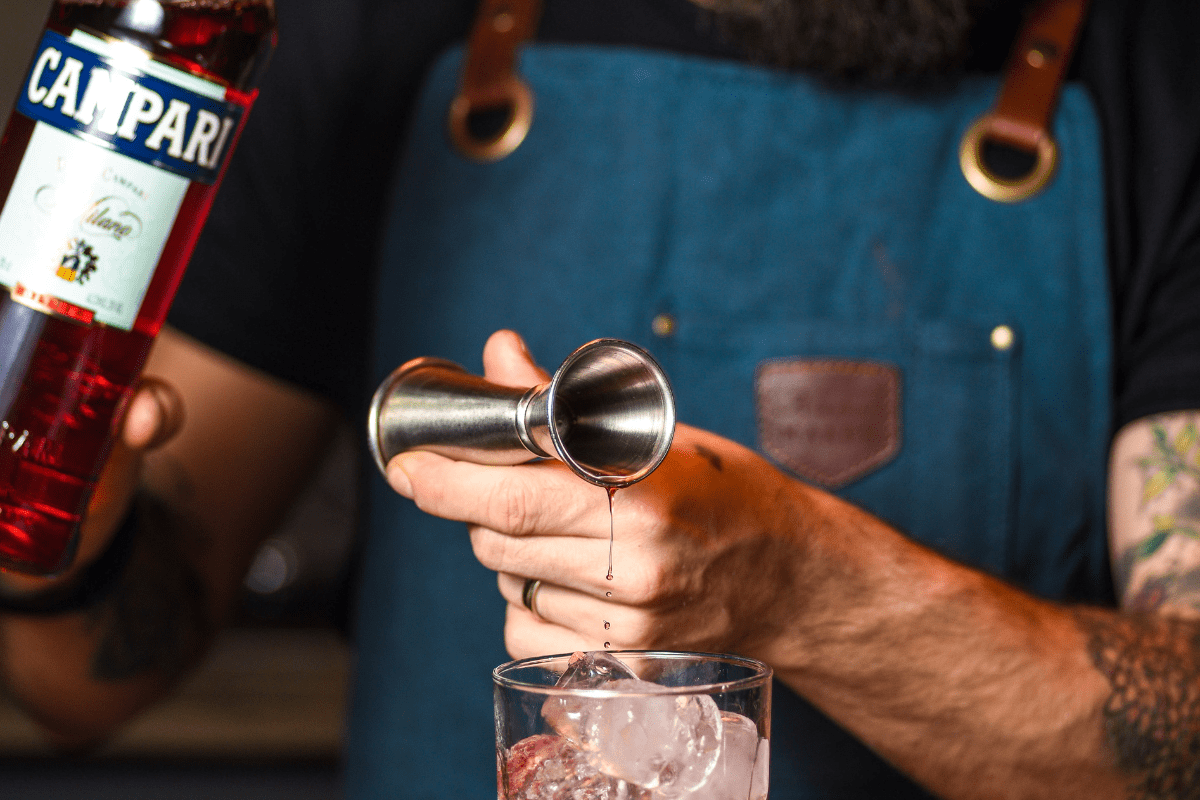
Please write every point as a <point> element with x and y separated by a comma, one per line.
<point>829,421</point>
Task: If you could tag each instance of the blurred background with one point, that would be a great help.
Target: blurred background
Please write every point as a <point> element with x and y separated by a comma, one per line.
<point>262,719</point>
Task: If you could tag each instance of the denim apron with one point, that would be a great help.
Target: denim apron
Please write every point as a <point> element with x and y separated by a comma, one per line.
<point>728,218</point>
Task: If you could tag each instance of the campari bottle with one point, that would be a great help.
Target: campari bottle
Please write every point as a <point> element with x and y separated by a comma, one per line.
<point>121,131</point>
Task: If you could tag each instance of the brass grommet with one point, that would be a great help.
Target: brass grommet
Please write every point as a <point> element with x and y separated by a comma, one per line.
<point>992,186</point>
<point>514,95</point>
<point>1003,338</point>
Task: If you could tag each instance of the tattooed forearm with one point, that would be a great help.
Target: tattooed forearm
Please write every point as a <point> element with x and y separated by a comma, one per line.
<point>1157,541</point>
<point>1152,717</point>
<point>156,620</point>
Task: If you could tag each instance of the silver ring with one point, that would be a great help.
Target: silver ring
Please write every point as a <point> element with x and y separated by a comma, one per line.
<point>529,595</point>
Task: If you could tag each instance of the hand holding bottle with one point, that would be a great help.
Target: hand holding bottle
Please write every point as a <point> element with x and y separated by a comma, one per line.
<point>154,416</point>
<point>108,167</point>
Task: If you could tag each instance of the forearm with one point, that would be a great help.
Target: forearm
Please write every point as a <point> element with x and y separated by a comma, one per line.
<point>977,690</point>
<point>80,673</point>
<point>210,495</point>
<point>973,688</point>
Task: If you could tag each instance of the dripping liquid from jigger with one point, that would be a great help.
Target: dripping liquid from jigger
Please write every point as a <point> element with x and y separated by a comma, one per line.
<point>612,492</point>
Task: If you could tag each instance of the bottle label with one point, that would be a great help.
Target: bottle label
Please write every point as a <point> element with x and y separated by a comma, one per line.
<point>117,141</point>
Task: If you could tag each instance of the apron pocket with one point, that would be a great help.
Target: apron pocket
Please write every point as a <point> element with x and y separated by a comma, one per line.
<point>830,421</point>
<point>913,421</point>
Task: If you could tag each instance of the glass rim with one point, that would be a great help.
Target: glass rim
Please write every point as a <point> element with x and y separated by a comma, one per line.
<point>762,673</point>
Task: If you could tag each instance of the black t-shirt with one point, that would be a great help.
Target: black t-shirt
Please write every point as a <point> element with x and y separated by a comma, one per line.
<point>282,276</point>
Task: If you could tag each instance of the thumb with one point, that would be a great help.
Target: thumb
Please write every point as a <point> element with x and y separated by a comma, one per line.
<point>155,415</point>
<point>506,361</point>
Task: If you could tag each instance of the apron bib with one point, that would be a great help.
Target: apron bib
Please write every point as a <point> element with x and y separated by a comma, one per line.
<point>751,229</point>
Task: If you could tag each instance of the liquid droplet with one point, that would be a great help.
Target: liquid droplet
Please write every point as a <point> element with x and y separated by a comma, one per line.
<point>612,492</point>
<point>607,645</point>
<point>608,594</point>
<point>607,624</point>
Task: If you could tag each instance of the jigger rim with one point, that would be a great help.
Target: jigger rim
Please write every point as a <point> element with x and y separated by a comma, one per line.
<point>668,400</point>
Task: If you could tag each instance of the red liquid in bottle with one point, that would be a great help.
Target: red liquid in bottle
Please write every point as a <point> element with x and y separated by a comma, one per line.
<point>64,384</point>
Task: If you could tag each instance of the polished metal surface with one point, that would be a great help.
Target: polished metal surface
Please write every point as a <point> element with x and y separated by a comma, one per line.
<point>608,413</point>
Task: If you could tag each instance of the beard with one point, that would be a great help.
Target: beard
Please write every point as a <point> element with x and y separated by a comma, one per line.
<point>852,41</point>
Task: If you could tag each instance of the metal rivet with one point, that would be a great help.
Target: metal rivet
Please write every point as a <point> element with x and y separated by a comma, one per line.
<point>663,325</point>
<point>1002,337</point>
<point>503,22</point>
<point>1040,54</point>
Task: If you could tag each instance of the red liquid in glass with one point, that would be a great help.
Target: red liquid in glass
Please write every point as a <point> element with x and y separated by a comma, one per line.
<point>60,426</point>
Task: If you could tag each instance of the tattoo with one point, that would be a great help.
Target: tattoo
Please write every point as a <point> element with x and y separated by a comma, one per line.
<point>1152,717</point>
<point>1164,564</point>
<point>156,619</point>
<point>710,457</point>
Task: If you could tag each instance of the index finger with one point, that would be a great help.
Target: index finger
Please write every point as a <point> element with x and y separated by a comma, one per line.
<point>523,500</point>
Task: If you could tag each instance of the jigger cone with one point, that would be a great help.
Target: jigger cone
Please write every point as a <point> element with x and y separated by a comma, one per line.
<point>608,413</point>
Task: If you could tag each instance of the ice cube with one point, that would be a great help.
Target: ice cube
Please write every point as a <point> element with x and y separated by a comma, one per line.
<point>647,735</point>
<point>593,669</point>
<point>741,771</point>
<point>590,670</point>
<point>547,767</point>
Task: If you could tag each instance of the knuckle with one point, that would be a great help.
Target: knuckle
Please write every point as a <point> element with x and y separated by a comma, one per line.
<point>648,585</point>
<point>489,547</point>
<point>500,552</point>
<point>512,506</point>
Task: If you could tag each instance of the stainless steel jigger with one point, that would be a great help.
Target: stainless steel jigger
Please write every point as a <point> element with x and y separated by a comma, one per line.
<point>608,414</point>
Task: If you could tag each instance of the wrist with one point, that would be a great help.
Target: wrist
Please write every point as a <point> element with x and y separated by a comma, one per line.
<point>852,570</point>
<point>83,586</point>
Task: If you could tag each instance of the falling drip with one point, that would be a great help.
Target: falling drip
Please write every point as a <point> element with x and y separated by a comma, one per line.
<point>612,491</point>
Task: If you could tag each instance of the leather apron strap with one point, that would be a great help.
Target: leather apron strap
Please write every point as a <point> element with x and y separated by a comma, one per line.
<point>1020,118</point>
<point>491,115</point>
<point>491,87</point>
